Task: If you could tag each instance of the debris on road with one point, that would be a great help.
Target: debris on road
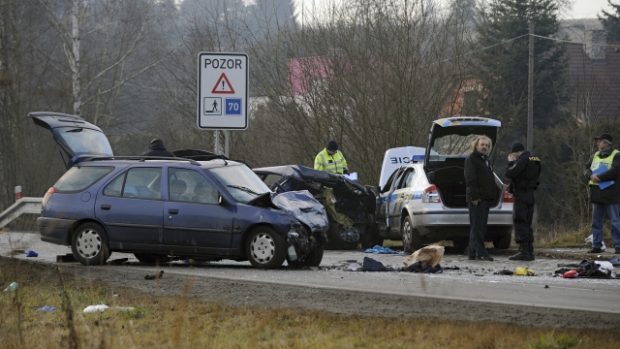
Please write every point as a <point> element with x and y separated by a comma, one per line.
<point>32,253</point>
<point>430,255</point>
<point>378,249</point>
<point>370,264</point>
<point>587,269</point>
<point>523,271</point>
<point>65,258</point>
<point>156,276</point>
<point>423,267</point>
<point>118,261</point>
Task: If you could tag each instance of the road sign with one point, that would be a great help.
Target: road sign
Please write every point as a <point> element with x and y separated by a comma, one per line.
<point>222,91</point>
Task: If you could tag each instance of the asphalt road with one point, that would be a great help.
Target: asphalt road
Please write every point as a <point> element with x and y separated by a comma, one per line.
<point>465,290</point>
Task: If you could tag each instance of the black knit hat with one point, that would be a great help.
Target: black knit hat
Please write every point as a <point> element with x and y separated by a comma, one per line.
<point>332,145</point>
<point>605,136</point>
<point>517,146</point>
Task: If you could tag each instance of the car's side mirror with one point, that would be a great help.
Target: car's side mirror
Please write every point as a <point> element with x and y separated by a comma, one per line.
<point>220,199</point>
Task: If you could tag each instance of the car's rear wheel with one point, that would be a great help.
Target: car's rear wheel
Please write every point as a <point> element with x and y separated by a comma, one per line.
<point>265,248</point>
<point>90,244</point>
<point>503,238</point>
<point>148,258</point>
<point>410,236</point>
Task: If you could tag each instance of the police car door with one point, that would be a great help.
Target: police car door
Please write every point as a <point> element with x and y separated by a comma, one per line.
<point>401,195</point>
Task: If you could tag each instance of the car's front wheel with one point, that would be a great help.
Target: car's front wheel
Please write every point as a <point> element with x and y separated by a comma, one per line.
<point>410,236</point>
<point>265,248</point>
<point>90,244</point>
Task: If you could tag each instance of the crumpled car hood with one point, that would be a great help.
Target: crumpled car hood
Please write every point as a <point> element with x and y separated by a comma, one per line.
<point>304,207</point>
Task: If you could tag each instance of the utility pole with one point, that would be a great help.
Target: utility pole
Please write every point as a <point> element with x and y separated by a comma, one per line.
<point>530,90</point>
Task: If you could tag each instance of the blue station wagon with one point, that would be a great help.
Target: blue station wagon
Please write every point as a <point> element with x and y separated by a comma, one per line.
<point>208,208</point>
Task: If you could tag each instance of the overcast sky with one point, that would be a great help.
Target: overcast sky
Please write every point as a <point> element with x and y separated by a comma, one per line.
<point>580,8</point>
<point>588,8</point>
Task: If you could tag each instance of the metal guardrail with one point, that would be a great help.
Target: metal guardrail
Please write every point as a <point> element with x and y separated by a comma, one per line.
<point>27,205</point>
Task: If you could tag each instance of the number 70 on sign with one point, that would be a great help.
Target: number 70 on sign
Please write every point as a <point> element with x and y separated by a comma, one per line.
<point>233,106</point>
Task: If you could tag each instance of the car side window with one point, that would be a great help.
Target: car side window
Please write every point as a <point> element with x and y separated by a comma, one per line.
<point>81,177</point>
<point>190,186</point>
<point>115,188</point>
<point>393,177</point>
<point>140,183</point>
<point>406,180</point>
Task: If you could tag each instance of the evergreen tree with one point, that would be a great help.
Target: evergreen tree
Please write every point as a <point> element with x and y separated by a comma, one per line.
<point>611,22</point>
<point>502,64</point>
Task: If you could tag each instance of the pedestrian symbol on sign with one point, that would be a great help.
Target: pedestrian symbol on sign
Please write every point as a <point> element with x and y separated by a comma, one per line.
<point>213,106</point>
<point>223,85</point>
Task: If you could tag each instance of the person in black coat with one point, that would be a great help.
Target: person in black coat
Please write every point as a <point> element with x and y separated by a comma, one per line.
<point>523,171</point>
<point>603,173</point>
<point>481,193</point>
<point>157,148</point>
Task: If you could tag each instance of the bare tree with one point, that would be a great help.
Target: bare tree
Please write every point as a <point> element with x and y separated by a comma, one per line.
<point>373,76</point>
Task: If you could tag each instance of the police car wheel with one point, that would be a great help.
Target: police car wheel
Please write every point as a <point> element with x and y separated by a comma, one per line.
<point>410,236</point>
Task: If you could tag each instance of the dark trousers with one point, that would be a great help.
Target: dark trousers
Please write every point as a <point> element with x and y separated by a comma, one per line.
<point>522,216</point>
<point>478,216</point>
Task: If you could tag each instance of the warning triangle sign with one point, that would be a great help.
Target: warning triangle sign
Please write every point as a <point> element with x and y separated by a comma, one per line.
<point>223,85</point>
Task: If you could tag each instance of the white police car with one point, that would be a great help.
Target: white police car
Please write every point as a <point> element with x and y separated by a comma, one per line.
<point>422,191</point>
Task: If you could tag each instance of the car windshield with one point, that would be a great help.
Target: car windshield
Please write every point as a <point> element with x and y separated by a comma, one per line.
<point>452,146</point>
<point>85,141</point>
<point>244,185</point>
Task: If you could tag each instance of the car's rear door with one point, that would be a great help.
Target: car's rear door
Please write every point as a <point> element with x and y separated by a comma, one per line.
<point>194,221</point>
<point>399,197</point>
<point>131,207</point>
<point>76,137</point>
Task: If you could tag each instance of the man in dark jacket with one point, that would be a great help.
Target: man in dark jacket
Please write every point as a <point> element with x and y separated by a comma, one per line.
<point>523,171</point>
<point>481,193</point>
<point>603,173</point>
<point>157,148</point>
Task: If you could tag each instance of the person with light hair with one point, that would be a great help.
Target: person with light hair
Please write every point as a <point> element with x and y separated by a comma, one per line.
<point>481,193</point>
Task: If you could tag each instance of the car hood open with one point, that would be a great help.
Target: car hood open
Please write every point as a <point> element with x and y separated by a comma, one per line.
<point>77,138</point>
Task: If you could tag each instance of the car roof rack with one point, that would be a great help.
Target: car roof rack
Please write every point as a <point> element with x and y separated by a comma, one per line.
<point>141,158</point>
<point>198,155</point>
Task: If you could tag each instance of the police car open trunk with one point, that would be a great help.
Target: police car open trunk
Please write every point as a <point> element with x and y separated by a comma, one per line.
<point>449,144</point>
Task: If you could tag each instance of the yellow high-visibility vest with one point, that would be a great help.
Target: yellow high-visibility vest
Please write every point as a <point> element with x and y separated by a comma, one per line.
<point>335,163</point>
<point>597,161</point>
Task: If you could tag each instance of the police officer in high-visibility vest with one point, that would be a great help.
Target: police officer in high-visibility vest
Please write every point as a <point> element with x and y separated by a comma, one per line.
<point>603,173</point>
<point>523,171</point>
<point>331,160</point>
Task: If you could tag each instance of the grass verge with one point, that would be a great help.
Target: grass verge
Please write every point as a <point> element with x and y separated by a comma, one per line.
<point>185,322</point>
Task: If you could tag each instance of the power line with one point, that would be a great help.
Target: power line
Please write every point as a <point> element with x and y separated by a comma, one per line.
<point>503,42</point>
<point>506,41</point>
<point>572,42</point>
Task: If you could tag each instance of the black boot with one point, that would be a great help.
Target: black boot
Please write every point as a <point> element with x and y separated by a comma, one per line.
<point>526,253</point>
